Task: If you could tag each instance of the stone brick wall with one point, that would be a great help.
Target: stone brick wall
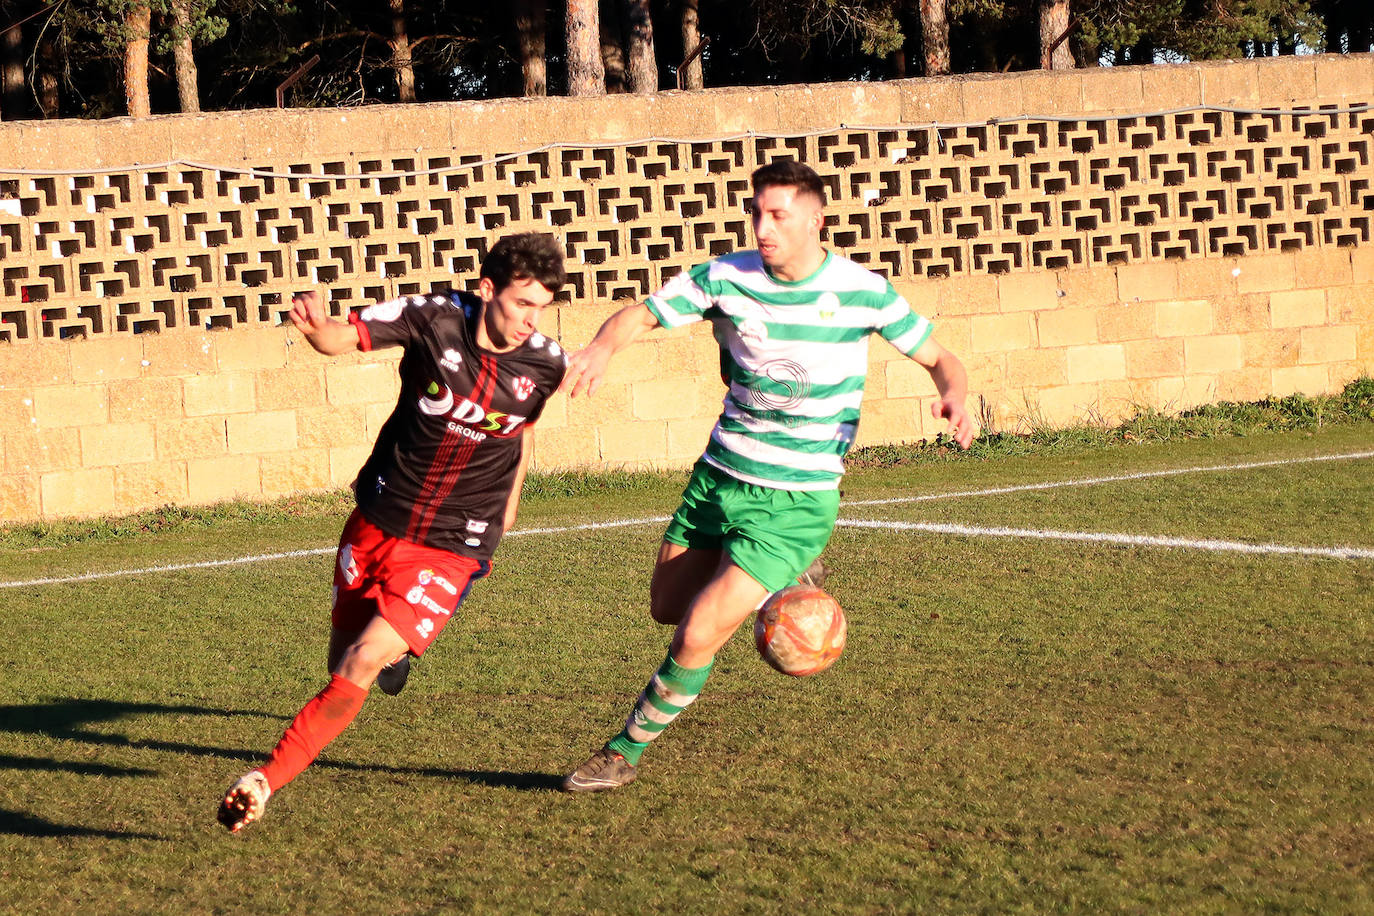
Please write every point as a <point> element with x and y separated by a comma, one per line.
<point>1089,241</point>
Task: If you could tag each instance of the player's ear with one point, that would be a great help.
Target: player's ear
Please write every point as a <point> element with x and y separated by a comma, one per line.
<point>486,289</point>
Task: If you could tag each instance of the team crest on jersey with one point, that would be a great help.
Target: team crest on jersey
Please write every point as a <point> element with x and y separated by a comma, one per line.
<point>827,304</point>
<point>452,359</point>
<point>523,387</point>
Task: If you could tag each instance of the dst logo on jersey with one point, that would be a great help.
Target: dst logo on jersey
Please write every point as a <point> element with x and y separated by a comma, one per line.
<point>523,387</point>
<point>466,418</point>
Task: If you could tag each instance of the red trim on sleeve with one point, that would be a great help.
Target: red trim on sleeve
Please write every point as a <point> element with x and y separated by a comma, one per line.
<point>364,338</point>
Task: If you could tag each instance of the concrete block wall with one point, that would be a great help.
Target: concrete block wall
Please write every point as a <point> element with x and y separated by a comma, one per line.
<point>147,367</point>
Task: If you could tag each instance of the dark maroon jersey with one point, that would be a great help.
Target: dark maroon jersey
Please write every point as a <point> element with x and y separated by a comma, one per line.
<point>445,460</point>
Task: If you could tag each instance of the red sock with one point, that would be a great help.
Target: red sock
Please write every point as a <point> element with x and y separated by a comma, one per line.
<point>320,722</point>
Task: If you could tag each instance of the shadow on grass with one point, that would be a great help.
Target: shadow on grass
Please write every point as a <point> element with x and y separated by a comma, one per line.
<point>17,823</point>
<point>72,719</point>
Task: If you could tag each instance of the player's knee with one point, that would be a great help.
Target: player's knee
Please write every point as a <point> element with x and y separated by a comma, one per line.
<point>362,661</point>
<point>700,638</point>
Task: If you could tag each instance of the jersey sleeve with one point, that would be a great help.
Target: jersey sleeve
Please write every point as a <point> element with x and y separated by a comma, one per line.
<point>553,373</point>
<point>902,327</point>
<point>683,299</point>
<point>397,322</point>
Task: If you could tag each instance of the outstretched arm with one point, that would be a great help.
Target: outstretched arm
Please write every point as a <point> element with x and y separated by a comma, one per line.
<point>328,336</point>
<point>951,381</point>
<point>513,500</point>
<point>586,366</point>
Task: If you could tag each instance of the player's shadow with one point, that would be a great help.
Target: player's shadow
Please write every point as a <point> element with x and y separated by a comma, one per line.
<point>72,719</point>
<point>17,823</point>
<point>75,719</point>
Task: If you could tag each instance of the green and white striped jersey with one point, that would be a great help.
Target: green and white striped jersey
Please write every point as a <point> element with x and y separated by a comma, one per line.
<point>794,355</point>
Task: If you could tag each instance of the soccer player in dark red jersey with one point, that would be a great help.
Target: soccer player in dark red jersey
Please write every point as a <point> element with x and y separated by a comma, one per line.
<point>441,486</point>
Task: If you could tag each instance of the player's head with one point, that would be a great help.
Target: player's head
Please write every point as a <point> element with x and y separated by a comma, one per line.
<point>789,173</point>
<point>519,278</point>
<point>526,256</point>
<point>788,214</point>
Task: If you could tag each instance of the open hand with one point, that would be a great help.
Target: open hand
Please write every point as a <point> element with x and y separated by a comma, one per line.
<point>960,423</point>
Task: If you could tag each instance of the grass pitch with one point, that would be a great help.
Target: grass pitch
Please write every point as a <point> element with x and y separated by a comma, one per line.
<point>1018,724</point>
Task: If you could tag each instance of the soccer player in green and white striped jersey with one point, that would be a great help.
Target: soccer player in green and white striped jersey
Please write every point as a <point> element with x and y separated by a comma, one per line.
<point>793,322</point>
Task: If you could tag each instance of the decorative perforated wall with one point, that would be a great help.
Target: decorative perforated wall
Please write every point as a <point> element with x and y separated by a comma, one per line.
<point>185,245</point>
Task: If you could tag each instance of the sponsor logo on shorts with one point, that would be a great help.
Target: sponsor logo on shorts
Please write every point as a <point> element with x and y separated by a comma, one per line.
<point>347,565</point>
<point>418,597</point>
<point>476,526</point>
<point>473,542</point>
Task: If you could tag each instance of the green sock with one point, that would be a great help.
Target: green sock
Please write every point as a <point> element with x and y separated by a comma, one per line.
<point>671,690</point>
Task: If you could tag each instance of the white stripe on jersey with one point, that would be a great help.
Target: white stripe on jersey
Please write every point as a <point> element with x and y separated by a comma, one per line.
<point>755,450</point>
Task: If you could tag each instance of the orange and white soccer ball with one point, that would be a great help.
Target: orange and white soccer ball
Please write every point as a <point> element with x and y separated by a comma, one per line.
<point>800,630</point>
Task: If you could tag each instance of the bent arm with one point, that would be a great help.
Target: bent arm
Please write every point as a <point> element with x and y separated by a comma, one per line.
<point>951,381</point>
<point>586,366</point>
<point>328,336</point>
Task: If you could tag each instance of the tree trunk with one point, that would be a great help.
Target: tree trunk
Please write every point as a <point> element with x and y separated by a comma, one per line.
<point>643,62</point>
<point>12,96</point>
<point>183,56</point>
<point>1055,53</point>
<point>691,76</point>
<point>585,73</point>
<point>48,65</point>
<point>529,23</point>
<point>613,53</point>
<point>400,53</point>
<point>138,22</point>
<point>935,36</point>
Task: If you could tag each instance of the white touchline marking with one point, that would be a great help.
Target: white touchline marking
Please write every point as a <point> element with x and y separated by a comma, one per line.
<point>1342,552</point>
<point>312,552</point>
<point>1102,537</point>
<point>1090,481</point>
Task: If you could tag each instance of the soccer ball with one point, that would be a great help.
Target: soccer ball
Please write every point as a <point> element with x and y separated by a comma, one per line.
<point>800,630</point>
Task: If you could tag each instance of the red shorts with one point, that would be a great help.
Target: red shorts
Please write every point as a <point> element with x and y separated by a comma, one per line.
<point>415,588</point>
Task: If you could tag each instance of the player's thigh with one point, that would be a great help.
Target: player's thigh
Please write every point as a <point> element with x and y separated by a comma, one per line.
<point>727,600</point>
<point>339,640</point>
<point>679,576</point>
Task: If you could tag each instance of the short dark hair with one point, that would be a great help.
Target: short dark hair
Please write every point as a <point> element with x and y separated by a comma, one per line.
<point>789,173</point>
<point>526,256</point>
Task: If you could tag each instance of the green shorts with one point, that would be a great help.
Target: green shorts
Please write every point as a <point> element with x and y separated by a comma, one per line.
<point>771,534</point>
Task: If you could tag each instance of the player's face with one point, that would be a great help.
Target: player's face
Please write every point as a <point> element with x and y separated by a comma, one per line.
<point>511,315</point>
<point>787,228</point>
